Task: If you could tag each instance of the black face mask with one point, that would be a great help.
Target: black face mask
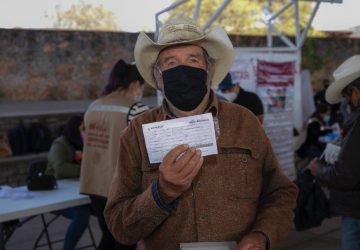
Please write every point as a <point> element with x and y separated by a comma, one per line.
<point>185,86</point>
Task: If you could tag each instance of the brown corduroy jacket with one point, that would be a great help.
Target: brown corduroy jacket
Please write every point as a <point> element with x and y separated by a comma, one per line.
<point>239,190</point>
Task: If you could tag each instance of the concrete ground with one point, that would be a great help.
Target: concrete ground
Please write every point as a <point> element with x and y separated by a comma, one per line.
<point>325,237</point>
<point>24,237</point>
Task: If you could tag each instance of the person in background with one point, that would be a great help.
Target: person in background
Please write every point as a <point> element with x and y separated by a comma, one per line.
<point>317,126</point>
<point>239,194</point>
<point>343,176</point>
<point>105,119</point>
<point>319,97</point>
<point>320,100</point>
<point>64,161</point>
<point>234,93</point>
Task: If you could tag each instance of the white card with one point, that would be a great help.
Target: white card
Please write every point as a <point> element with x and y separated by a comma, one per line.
<point>198,131</point>
<point>227,245</point>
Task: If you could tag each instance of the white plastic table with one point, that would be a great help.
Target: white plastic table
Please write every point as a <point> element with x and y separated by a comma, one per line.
<point>65,196</point>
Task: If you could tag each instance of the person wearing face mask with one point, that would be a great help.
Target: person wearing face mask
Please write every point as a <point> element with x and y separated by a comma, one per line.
<point>317,127</point>
<point>235,94</point>
<point>343,176</point>
<point>239,194</point>
<point>64,161</point>
<point>105,119</point>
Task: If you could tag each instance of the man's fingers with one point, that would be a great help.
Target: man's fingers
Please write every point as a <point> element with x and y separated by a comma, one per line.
<point>196,168</point>
<point>174,153</point>
<point>183,159</point>
<point>189,164</point>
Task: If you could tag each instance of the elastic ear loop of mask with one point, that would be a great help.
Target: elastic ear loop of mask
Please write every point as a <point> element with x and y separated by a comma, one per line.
<point>159,70</point>
<point>208,63</point>
<point>156,65</point>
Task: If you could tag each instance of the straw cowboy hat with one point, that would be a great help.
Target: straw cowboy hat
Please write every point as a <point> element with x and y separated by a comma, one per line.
<point>347,72</point>
<point>216,43</point>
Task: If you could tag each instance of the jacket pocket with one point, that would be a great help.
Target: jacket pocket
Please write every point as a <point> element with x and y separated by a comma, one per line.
<point>241,172</point>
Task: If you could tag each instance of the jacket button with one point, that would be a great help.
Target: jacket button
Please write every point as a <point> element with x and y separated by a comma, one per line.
<point>203,217</point>
<point>196,185</point>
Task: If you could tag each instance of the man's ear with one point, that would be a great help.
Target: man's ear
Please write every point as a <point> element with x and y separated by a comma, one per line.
<point>356,93</point>
<point>355,89</point>
<point>211,71</point>
<point>158,79</point>
<point>237,87</point>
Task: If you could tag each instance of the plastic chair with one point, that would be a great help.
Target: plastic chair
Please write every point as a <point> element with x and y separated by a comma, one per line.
<point>49,242</point>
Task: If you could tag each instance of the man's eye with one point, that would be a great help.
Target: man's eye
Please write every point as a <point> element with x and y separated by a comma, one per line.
<point>170,63</point>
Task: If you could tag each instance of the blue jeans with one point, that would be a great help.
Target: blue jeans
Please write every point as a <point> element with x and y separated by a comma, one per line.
<point>79,217</point>
<point>350,233</point>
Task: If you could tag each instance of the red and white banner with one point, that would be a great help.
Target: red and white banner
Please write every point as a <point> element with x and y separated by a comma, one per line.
<point>273,77</point>
<point>275,88</point>
<point>275,85</point>
<point>243,73</point>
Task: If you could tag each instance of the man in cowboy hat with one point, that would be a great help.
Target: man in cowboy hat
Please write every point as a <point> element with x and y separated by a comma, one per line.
<point>343,177</point>
<point>237,195</point>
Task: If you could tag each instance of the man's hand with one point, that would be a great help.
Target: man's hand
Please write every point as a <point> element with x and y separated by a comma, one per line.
<point>252,241</point>
<point>177,171</point>
<point>315,166</point>
<point>331,153</point>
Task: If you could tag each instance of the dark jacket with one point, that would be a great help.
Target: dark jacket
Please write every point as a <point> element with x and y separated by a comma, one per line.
<point>343,178</point>
<point>250,101</point>
<point>312,147</point>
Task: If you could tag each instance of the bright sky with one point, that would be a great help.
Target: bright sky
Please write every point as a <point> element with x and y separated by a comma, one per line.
<point>137,15</point>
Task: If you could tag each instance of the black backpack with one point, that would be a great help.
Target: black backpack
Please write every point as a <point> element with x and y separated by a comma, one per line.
<point>312,205</point>
<point>38,137</point>
<point>18,140</point>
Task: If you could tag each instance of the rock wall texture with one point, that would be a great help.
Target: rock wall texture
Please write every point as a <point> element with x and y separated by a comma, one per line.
<point>70,65</point>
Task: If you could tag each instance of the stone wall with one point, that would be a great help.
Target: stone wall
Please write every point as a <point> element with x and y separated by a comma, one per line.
<point>70,65</point>
<point>58,65</point>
